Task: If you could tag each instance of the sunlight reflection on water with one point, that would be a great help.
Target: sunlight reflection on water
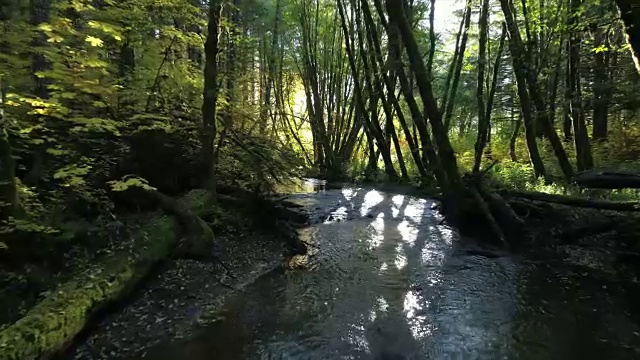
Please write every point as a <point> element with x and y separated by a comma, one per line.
<point>376,235</point>
<point>401,258</point>
<point>371,199</point>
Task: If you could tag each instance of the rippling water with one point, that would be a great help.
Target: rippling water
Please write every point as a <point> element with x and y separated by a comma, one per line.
<point>390,282</point>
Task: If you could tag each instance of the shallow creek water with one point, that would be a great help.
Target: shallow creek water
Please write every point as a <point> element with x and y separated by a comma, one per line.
<point>389,281</point>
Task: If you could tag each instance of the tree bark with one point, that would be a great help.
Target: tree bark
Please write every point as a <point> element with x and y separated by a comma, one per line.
<point>210,94</point>
<point>601,88</point>
<point>630,14</point>
<point>514,138</point>
<point>483,120</point>
<point>584,160</point>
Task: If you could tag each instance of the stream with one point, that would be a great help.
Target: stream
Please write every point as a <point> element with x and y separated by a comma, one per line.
<point>390,281</point>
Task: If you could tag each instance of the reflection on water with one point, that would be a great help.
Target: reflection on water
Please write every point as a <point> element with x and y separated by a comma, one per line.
<point>389,284</point>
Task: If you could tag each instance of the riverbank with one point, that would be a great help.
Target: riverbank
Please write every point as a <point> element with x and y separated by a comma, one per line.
<point>182,270</point>
<point>181,295</point>
<point>184,295</point>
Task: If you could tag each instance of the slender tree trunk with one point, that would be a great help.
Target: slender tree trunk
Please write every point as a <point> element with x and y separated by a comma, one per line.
<point>601,88</point>
<point>374,125</point>
<point>445,150</point>
<point>584,160</point>
<point>554,82</point>
<point>483,120</point>
<point>448,111</point>
<point>231,65</point>
<point>514,138</point>
<point>210,95</point>
<point>391,96</point>
<point>494,80</point>
<point>567,124</point>
<point>518,58</point>
<point>452,65</point>
<point>432,38</point>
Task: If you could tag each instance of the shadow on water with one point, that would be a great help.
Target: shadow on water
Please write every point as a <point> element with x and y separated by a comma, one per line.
<point>390,283</point>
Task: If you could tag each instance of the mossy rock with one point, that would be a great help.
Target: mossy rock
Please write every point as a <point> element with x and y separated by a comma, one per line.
<point>58,318</point>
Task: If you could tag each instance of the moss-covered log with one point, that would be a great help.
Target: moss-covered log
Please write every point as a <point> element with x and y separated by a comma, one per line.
<point>56,320</point>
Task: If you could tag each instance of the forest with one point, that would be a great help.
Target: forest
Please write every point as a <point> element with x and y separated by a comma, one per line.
<point>113,109</point>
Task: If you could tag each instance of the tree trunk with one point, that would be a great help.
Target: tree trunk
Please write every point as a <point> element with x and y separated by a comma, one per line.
<point>601,88</point>
<point>374,126</point>
<point>494,86</point>
<point>448,110</point>
<point>429,156</point>
<point>584,160</point>
<point>483,120</point>
<point>271,68</point>
<point>519,68</point>
<point>630,14</point>
<point>514,137</point>
<point>445,151</point>
<point>390,100</point>
<point>210,95</point>
<point>432,38</point>
<point>452,65</point>
<point>567,124</point>
<point>231,65</point>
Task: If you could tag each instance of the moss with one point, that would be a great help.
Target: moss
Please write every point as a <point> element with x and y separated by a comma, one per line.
<point>59,317</point>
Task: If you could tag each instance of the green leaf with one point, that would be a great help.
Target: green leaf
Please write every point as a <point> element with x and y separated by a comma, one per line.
<point>135,181</point>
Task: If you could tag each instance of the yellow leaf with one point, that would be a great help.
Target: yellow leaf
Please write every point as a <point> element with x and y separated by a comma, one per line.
<point>55,39</point>
<point>45,27</point>
<point>94,41</point>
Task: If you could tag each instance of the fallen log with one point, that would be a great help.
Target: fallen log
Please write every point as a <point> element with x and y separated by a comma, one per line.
<point>196,237</point>
<point>607,179</point>
<point>573,201</point>
<point>51,325</point>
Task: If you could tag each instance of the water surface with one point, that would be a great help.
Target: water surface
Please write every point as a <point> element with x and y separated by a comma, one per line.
<point>391,282</point>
